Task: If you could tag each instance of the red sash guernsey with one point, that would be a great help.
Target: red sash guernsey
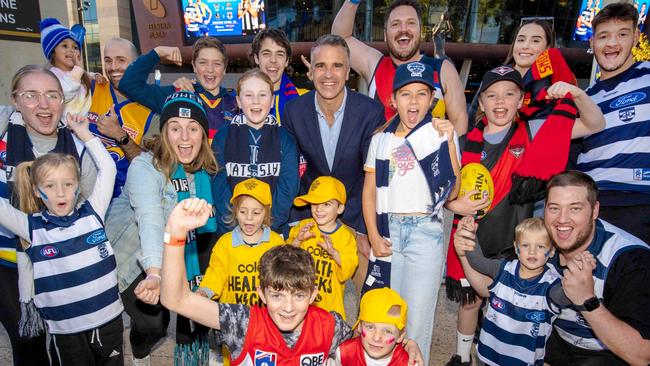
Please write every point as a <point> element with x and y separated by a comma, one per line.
<point>352,354</point>
<point>264,344</point>
<point>381,87</point>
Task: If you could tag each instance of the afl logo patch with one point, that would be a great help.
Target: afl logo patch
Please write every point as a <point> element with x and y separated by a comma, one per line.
<point>263,358</point>
<point>49,251</point>
<point>96,237</point>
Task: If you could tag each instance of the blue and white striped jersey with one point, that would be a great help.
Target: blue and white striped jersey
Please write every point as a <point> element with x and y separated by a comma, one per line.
<point>608,243</point>
<point>518,319</point>
<point>618,158</point>
<point>75,273</point>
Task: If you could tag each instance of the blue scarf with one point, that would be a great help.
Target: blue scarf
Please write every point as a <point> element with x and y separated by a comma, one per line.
<point>281,96</point>
<point>203,191</point>
<point>432,154</point>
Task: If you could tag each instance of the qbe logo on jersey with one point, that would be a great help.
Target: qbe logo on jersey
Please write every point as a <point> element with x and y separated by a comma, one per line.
<point>317,359</point>
<point>263,358</point>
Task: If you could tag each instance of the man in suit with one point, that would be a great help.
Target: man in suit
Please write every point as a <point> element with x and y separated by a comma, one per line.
<point>333,127</point>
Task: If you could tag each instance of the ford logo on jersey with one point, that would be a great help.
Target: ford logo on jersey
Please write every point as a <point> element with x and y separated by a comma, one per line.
<point>96,237</point>
<point>536,316</point>
<point>627,99</point>
<point>49,251</point>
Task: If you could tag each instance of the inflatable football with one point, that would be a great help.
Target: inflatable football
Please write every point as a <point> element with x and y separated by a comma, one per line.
<point>475,176</point>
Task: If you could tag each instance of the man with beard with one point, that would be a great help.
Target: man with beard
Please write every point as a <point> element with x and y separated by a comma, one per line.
<point>618,158</point>
<point>119,122</point>
<point>609,323</point>
<point>402,36</point>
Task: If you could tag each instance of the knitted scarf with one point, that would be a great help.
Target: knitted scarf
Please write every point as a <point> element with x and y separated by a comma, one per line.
<point>432,154</point>
<point>252,153</point>
<point>192,351</point>
<point>521,179</point>
<point>281,96</point>
<point>203,191</point>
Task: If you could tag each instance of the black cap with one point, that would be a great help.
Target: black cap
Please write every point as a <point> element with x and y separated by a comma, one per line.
<point>413,72</point>
<point>184,104</point>
<point>501,73</point>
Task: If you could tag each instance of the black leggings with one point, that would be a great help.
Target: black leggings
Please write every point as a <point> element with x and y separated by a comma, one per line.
<point>25,351</point>
<point>148,322</point>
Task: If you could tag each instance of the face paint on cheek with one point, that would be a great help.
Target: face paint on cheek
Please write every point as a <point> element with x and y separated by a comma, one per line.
<point>363,333</point>
<point>390,341</point>
<point>43,195</point>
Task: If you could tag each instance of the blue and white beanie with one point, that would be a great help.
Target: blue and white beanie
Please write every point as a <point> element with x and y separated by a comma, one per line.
<point>53,33</point>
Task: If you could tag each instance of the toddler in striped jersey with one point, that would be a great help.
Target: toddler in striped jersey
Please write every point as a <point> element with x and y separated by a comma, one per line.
<point>524,295</point>
<point>66,264</point>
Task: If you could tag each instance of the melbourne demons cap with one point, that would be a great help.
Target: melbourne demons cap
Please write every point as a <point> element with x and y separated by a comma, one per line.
<point>321,190</point>
<point>501,73</point>
<point>255,188</point>
<point>376,304</point>
<point>413,72</point>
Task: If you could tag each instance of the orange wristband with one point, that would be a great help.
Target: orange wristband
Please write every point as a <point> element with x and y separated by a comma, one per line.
<point>172,241</point>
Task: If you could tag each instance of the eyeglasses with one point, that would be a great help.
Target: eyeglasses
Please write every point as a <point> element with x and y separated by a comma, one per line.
<point>32,98</point>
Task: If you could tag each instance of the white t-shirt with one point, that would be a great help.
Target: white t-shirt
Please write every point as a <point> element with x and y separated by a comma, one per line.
<point>408,190</point>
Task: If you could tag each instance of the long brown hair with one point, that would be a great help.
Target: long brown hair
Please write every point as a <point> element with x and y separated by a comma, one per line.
<point>549,34</point>
<point>166,161</point>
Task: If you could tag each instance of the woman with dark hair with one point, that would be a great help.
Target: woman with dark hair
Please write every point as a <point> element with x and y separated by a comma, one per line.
<point>179,165</point>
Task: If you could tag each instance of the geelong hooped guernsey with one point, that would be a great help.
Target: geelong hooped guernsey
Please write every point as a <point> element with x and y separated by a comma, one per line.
<point>75,276</point>
<point>191,13</point>
<point>608,243</point>
<point>618,157</point>
<point>264,345</point>
<point>518,319</point>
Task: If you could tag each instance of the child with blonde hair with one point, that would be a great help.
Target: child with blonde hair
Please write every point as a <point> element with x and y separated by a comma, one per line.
<point>67,267</point>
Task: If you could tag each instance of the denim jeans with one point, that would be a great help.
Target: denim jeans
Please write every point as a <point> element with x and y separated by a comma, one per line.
<point>416,272</point>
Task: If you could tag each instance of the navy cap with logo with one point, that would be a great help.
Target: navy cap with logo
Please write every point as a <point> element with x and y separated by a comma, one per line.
<point>184,104</point>
<point>413,72</point>
<point>501,73</point>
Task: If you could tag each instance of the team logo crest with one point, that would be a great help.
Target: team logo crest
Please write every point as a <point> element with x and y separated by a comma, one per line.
<point>185,112</point>
<point>314,185</point>
<point>103,250</point>
<point>263,358</point>
<point>517,151</point>
<point>502,70</point>
<point>250,185</point>
<point>416,69</point>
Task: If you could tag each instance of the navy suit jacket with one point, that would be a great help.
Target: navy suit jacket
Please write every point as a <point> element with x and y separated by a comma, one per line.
<point>361,117</point>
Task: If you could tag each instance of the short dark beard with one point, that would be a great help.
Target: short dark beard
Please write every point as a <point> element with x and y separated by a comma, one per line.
<point>399,57</point>
<point>581,240</point>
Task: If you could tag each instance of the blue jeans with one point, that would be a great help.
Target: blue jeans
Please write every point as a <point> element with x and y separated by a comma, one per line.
<point>416,272</point>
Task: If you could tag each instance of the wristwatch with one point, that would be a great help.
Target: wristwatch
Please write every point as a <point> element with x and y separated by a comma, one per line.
<point>590,304</point>
<point>124,140</point>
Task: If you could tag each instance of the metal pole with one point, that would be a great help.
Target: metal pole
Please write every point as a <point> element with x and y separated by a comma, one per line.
<point>368,29</point>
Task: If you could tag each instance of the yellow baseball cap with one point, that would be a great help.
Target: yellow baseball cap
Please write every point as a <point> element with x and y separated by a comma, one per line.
<point>255,188</point>
<point>376,304</point>
<point>322,189</point>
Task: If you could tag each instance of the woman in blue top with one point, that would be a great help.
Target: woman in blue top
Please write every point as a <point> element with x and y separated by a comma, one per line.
<point>253,145</point>
<point>178,165</point>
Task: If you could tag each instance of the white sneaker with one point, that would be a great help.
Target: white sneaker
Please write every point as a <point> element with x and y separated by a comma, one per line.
<point>141,361</point>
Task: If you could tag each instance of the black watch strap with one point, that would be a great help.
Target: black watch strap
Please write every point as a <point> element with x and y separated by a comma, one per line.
<point>124,140</point>
<point>590,304</point>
